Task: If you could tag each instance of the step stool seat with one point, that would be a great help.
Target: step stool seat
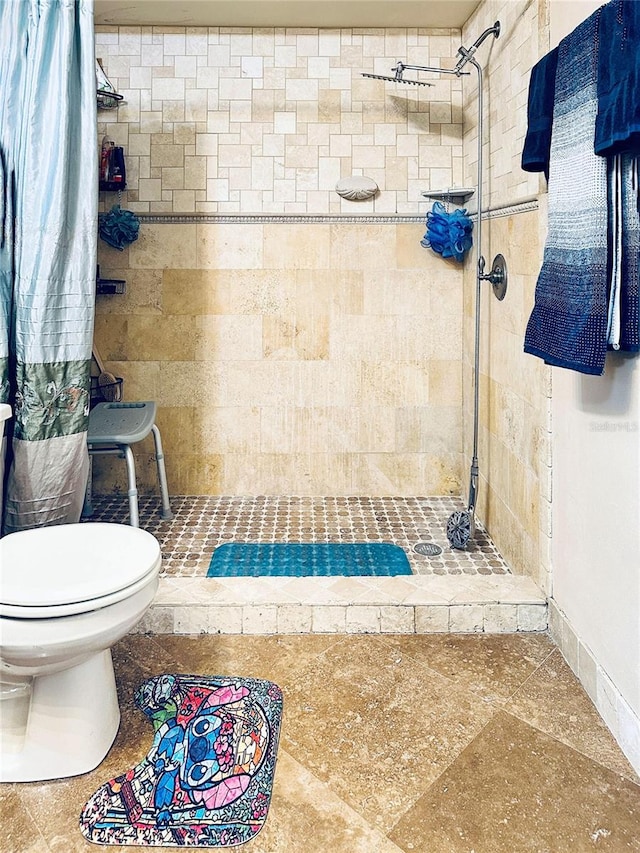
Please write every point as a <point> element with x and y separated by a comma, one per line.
<point>113,428</point>
<point>121,423</point>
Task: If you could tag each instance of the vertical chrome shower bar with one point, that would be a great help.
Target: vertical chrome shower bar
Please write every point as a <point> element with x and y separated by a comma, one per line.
<point>473,485</point>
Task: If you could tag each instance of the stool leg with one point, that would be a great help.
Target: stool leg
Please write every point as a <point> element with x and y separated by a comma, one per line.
<point>162,474</point>
<point>133,489</point>
<point>87,509</point>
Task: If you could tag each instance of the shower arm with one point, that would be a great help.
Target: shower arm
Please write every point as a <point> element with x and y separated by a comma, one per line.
<point>400,67</point>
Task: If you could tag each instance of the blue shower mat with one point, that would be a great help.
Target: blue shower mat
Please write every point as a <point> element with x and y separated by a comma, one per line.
<point>298,559</point>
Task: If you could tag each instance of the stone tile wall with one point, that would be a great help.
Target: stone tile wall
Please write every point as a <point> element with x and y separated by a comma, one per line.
<point>268,120</point>
<point>514,435</point>
<point>300,359</point>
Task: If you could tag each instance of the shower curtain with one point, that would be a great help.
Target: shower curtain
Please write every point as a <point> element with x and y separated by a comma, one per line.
<point>48,217</point>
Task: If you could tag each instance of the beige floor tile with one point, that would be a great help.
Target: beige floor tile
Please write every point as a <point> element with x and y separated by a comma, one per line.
<point>280,658</point>
<point>515,789</point>
<point>377,727</point>
<point>56,805</point>
<point>388,744</point>
<point>492,666</point>
<point>307,816</point>
<point>19,832</point>
<point>554,701</point>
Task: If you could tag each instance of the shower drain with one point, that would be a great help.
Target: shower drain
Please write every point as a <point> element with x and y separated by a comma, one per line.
<point>427,549</point>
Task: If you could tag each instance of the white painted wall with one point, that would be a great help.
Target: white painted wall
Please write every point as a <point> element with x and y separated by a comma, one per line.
<point>596,515</point>
<point>596,510</point>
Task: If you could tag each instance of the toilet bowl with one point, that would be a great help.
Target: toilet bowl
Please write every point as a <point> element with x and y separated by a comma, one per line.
<point>67,594</point>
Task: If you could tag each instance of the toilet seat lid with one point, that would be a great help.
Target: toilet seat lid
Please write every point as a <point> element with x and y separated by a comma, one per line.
<point>70,563</point>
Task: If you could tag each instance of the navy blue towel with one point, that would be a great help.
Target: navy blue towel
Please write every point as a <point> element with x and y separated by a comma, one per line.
<point>618,118</point>
<point>537,143</point>
<point>568,324</point>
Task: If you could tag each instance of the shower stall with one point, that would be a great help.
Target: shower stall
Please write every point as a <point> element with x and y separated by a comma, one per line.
<point>305,352</point>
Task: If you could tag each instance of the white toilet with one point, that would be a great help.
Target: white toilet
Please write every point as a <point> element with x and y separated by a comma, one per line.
<point>67,594</point>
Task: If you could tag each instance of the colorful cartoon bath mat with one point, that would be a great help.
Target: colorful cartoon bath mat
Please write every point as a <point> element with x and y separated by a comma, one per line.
<point>303,559</point>
<point>207,779</point>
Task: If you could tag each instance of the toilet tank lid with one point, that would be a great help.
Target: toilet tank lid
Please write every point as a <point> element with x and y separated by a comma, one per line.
<point>69,563</point>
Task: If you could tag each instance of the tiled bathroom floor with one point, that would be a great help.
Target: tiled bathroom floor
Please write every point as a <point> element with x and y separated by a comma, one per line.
<point>389,744</point>
<point>201,523</point>
<point>470,590</point>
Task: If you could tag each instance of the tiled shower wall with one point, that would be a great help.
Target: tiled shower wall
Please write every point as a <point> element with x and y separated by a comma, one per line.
<point>515,389</point>
<point>304,359</point>
<point>288,356</point>
<point>268,120</point>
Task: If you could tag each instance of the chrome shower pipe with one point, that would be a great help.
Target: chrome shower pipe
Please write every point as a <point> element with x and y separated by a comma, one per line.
<point>480,263</point>
<point>466,55</point>
<point>400,67</point>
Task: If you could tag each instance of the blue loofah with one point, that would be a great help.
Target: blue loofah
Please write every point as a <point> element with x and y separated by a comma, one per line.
<point>118,227</point>
<point>448,234</point>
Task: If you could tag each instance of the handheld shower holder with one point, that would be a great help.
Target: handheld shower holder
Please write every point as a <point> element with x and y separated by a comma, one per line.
<point>498,275</point>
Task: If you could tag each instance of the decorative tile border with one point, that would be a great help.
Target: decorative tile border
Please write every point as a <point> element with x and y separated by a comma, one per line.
<point>314,219</point>
<point>260,218</point>
<point>511,209</point>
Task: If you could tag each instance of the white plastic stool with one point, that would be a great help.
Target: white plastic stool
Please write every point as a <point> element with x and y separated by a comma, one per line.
<point>113,428</point>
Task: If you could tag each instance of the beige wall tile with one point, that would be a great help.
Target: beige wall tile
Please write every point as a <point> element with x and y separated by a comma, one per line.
<point>162,338</point>
<point>296,246</point>
<point>354,247</point>
<point>189,291</point>
<point>223,246</point>
<point>233,429</point>
<point>177,427</point>
<point>254,90</point>
<point>161,246</point>
<point>229,337</point>
<point>330,292</point>
<point>297,338</point>
<point>194,473</point>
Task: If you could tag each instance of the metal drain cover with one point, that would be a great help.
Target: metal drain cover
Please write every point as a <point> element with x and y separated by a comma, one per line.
<point>427,549</point>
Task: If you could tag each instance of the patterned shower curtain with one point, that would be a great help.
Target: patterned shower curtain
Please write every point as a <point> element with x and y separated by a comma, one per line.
<point>48,217</point>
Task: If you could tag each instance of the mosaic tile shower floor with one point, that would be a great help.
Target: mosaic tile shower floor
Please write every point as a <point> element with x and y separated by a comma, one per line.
<point>201,523</point>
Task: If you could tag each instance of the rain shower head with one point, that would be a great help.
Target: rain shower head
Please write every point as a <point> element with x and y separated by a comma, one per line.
<point>398,78</point>
<point>465,54</point>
